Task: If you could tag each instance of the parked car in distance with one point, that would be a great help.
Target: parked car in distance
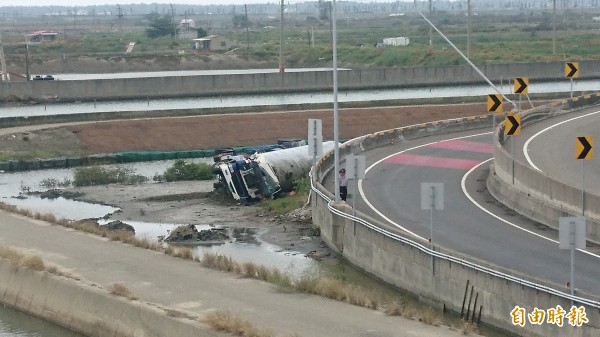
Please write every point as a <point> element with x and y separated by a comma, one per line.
<point>43,78</point>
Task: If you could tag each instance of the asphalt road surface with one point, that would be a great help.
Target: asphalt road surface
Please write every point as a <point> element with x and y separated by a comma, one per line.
<point>392,191</point>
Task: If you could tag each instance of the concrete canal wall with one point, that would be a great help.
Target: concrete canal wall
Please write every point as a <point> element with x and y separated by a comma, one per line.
<point>211,85</point>
<point>447,280</point>
<point>89,310</point>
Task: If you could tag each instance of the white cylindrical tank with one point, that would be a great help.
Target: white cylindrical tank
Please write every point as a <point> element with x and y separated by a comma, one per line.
<point>290,164</point>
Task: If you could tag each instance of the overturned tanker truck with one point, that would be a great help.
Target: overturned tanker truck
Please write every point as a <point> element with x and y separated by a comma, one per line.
<point>263,174</point>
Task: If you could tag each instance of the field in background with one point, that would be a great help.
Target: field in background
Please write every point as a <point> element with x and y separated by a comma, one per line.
<point>97,43</point>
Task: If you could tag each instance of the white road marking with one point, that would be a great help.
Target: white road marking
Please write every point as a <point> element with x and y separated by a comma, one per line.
<point>362,194</point>
<point>464,189</point>
<point>526,145</point>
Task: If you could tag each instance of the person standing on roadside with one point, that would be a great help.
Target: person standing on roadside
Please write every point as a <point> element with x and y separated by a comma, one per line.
<point>343,184</point>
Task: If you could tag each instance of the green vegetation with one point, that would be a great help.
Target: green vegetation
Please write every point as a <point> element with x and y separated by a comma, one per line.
<point>497,36</point>
<point>53,183</point>
<point>292,201</point>
<point>97,175</point>
<point>160,26</point>
<point>182,170</point>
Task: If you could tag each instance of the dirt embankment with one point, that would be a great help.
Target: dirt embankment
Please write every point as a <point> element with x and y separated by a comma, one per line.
<point>215,131</point>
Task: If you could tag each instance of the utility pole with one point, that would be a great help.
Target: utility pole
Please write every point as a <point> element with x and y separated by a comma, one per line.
<point>120,18</point>
<point>430,31</point>
<point>247,32</point>
<point>27,59</point>
<point>469,15</point>
<point>553,27</point>
<point>281,65</point>
<point>173,21</point>
<point>5,75</point>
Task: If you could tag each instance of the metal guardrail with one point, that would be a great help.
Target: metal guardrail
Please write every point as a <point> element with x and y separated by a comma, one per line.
<point>450,258</point>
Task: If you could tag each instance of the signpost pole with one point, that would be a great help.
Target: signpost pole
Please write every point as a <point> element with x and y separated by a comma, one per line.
<point>431,229</point>
<point>432,198</point>
<point>571,236</point>
<point>355,165</point>
<point>315,143</point>
<point>571,87</point>
<point>572,248</point>
<point>582,191</point>
<point>431,217</point>
<point>512,155</point>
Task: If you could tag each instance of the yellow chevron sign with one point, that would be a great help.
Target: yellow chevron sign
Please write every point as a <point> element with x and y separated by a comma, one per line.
<point>494,103</point>
<point>512,125</point>
<point>572,69</point>
<point>584,148</point>
<point>521,84</point>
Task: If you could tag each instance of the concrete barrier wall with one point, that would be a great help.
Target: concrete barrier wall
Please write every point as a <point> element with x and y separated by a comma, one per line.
<point>535,194</point>
<point>394,259</point>
<point>211,85</point>
<point>86,309</point>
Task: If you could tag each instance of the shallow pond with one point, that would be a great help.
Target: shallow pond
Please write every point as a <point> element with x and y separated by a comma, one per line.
<point>13,184</point>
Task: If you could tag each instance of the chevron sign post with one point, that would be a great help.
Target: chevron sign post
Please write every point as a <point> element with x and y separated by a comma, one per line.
<point>571,72</point>
<point>494,103</point>
<point>521,86</point>
<point>584,150</point>
<point>512,127</point>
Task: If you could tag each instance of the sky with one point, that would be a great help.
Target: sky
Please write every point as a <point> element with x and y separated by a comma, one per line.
<point>72,3</point>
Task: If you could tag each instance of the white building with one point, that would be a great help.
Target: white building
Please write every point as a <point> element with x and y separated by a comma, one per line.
<point>396,41</point>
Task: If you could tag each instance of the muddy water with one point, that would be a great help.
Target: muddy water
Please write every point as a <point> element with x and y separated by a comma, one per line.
<point>14,323</point>
<point>243,245</point>
<point>12,186</point>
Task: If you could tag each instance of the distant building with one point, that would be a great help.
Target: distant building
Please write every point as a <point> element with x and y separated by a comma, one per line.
<point>187,24</point>
<point>212,42</point>
<point>42,35</point>
<point>396,41</point>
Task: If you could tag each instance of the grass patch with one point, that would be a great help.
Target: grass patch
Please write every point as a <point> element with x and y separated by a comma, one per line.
<point>467,328</point>
<point>182,170</point>
<point>394,308</point>
<point>118,289</point>
<point>430,317</point>
<point>12,255</point>
<point>227,322</point>
<point>184,253</point>
<point>54,183</point>
<point>291,202</point>
<point>179,314</point>
<point>34,262</point>
<point>96,175</point>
